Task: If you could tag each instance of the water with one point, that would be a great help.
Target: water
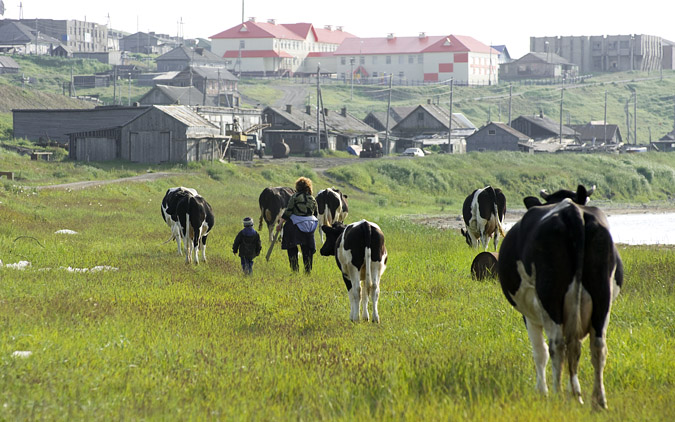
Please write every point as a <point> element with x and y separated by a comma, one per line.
<point>643,229</point>
<point>640,229</point>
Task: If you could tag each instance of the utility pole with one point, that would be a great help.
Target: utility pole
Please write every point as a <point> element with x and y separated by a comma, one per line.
<point>562,94</point>
<point>129,89</point>
<point>510,91</point>
<point>114,85</point>
<point>635,117</point>
<point>386,133</point>
<point>450,119</point>
<point>318,104</point>
<point>605,120</point>
<point>218,87</point>
<point>351,67</point>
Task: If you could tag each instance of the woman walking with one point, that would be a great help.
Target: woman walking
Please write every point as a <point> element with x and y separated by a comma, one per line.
<point>299,222</point>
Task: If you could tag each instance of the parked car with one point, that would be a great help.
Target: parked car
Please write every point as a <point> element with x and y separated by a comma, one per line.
<point>413,152</point>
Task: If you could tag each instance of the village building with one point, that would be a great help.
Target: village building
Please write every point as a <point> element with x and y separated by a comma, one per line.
<point>8,65</point>
<point>177,95</point>
<point>75,34</point>
<point>538,66</point>
<point>379,121</point>
<point>148,43</point>
<point>606,53</point>
<point>106,57</point>
<point>416,60</point>
<point>298,129</point>
<point>211,81</point>
<point>503,56</point>
<point>266,48</point>
<point>665,144</point>
<point>496,136</point>
<point>159,134</point>
<point>17,38</point>
<point>183,57</point>
<point>540,128</point>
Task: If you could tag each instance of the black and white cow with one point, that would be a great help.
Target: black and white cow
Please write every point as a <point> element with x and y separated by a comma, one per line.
<point>483,213</point>
<point>169,203</point>
<point>195,217</point>
<point>362,257</point>
<point>559,267</point>
<point>273,203</point>
<point>332,206</point>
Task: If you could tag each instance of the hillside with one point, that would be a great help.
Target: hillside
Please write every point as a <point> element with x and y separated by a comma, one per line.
<point>12,97</point>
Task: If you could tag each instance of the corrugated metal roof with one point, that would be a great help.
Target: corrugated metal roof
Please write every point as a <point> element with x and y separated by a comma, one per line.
<point>8,62</point>
<point>412,45</point>
<point>335,121</point>
<point>185,115</point>
<point>548,124</point>
<point>195,55</point>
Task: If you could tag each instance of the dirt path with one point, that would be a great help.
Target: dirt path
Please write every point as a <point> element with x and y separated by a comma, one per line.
<point>148,177</point>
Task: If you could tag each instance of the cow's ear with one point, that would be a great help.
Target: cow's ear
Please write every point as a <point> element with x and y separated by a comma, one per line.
<point>463,232</point>
<point>531,201</point>
<point>543,194</point>
<point>327,229</point>
<point>345,196</point>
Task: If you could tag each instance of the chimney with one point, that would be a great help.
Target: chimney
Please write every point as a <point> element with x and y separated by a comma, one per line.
<point>338,28</point>
<point>429,101</point>
<point>272,21</point>
<point>423,35</point>
<point>390,36</point>
<point>343,111</point>
<point>328,27</point>
<point>251,19</point>
<point>325,112</point>
<point>308,110</point>
<point>289,108</point>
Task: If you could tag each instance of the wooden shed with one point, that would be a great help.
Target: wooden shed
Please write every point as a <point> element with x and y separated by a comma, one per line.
<point>498,137</point>
<point>160,134</point>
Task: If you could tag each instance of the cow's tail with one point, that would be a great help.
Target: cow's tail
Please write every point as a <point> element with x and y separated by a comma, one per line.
<point>577,235</point>
<point>367,258</point>
<point>260,221</point>
<point>500,226</point>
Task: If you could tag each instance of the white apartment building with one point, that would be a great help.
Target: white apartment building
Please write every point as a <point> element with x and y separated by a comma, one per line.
<point>419,59</point>
<point>268,48</point>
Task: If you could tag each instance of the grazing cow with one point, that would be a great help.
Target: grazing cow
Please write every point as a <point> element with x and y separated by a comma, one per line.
<point>273,203</point>
<point>361,256</point>
<point>169,203</point>
<point>332,205</point>
<point>195,217</point>
<point>483,213</point>
<point>559,267</point>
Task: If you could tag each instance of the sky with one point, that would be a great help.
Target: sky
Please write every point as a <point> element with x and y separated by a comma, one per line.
<point>509,23</point>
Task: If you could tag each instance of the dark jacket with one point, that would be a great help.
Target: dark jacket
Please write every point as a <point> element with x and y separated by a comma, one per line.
<point>247,243</point>
<point>301,204</point>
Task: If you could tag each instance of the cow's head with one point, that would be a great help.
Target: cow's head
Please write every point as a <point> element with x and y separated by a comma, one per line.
<point>467,237</point>
<point>332,234</point>
<point>581,196</point>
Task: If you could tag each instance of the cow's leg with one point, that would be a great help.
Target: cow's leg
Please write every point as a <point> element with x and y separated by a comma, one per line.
<point>203,247</point>
<point>354,293</point>
<point>573,355</point>
<point>556,346</point>
<point>598,358</point>
<point>175,232</point>
<point>539,353</point>
<point>376,271</point>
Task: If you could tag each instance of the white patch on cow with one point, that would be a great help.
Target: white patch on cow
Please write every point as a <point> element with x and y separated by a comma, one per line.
<point>65,231</point>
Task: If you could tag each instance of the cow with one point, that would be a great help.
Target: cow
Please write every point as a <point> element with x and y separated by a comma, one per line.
<point>483,213</point>
<point>332,205</point>
<point>168,208</point>
<point>195,219</point>
<point>273,203</point>
<point>362,257</point>
<point>559,267</point>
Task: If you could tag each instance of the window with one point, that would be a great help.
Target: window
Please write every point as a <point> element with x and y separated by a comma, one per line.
<point>411,59</point>
<point>420,59</point>
<point>362,60</point>
<point>343,60</point>
<point>492,132</point>
<point>388,60</point>
<point>374,74</point>
<point>420,117</point>
<point>401,75</point>
<point>242,44</point>
<point>401,59</point>
<point>374,59</point>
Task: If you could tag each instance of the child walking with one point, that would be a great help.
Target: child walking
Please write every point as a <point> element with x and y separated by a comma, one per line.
<point>248,244</point>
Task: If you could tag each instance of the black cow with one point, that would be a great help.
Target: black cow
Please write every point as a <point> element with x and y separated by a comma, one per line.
<point>558,266</point>
<point>362,257</point>
<point>483,213</point>
<point>273,203</point>
<point>169,203</point>
<point>332,206</point>
<point>196,220</point>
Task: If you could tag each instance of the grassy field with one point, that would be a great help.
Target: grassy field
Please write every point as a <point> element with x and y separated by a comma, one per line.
<point>120,328</point>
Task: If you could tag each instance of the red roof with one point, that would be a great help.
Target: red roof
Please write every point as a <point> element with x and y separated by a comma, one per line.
<point>412,45</point>
<point>320,54</point>
<point>233,54</point>
<point>292,31</point>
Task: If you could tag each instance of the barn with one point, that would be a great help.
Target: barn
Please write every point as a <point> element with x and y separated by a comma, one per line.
<point>161,134</point>
<point>498,137</point>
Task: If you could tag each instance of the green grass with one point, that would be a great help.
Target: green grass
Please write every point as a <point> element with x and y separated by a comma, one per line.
<point>157,339</point>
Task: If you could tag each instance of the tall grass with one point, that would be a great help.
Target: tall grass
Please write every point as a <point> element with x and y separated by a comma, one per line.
<point>153,338</point>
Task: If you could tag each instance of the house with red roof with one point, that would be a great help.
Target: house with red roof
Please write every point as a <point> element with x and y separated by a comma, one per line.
<point>267,48</point>
<point>419,59</point>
